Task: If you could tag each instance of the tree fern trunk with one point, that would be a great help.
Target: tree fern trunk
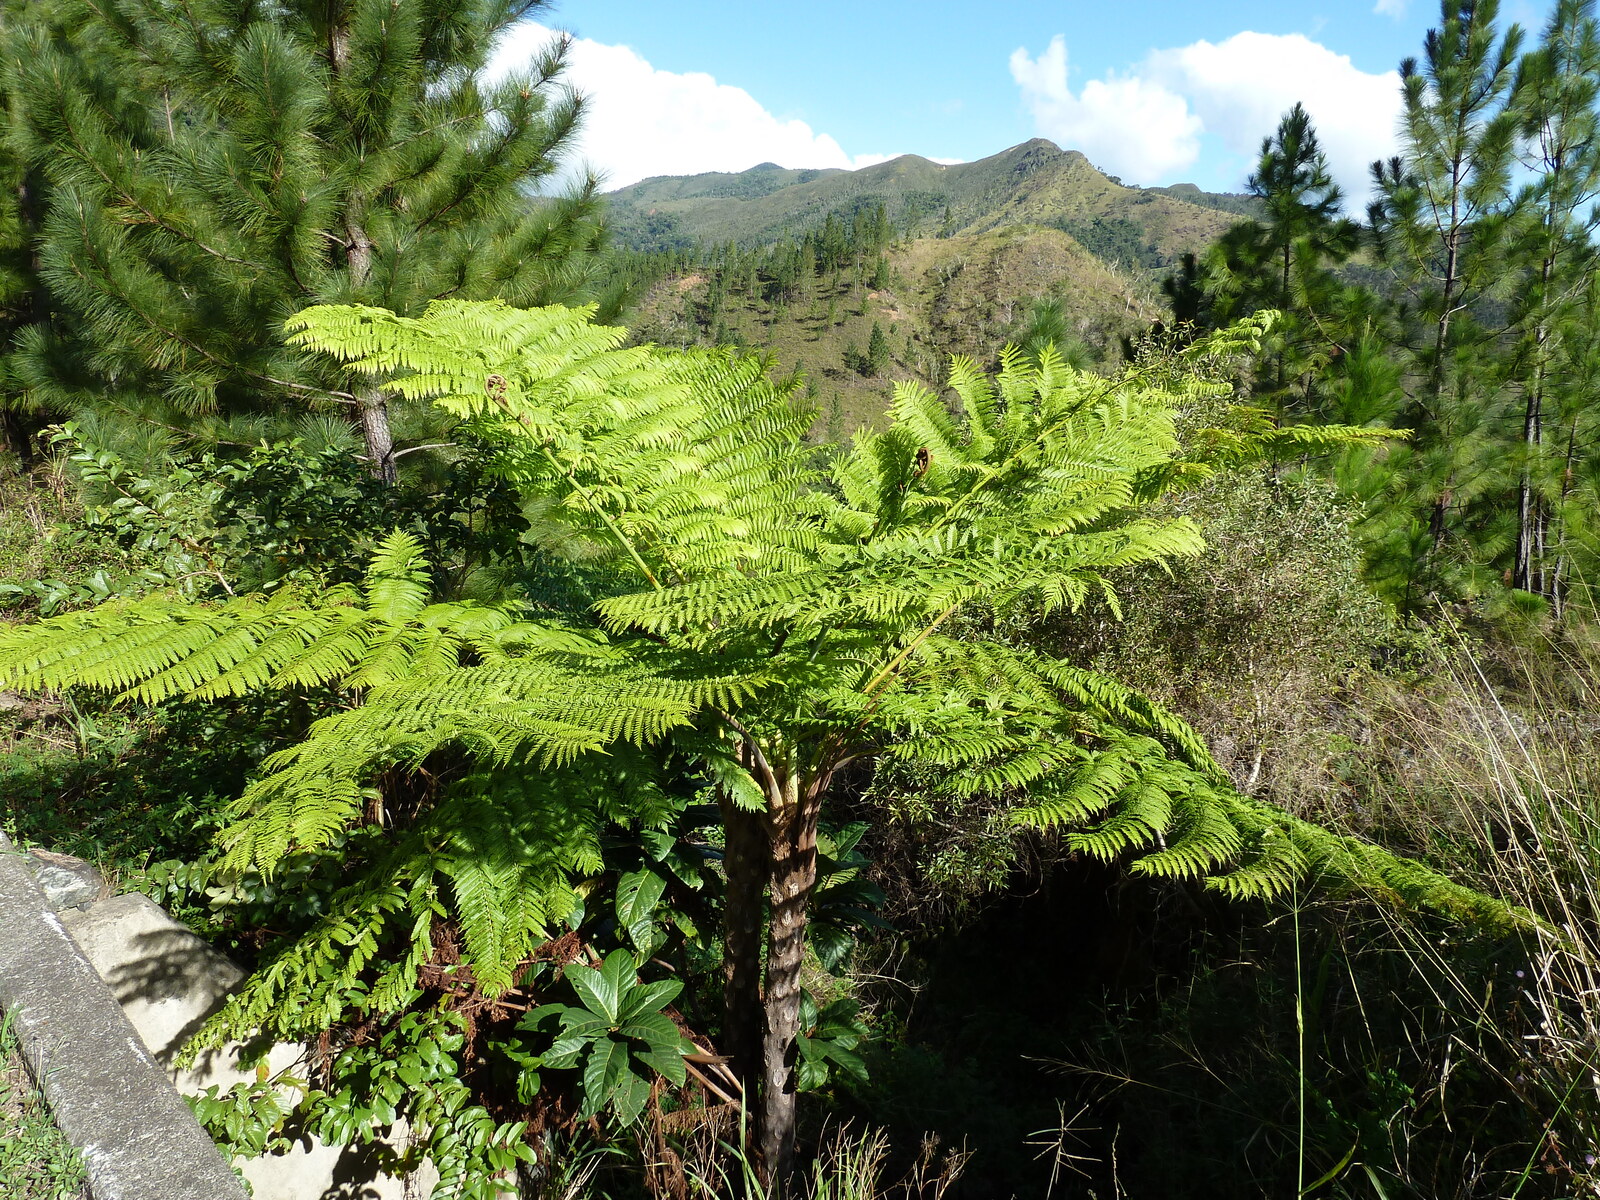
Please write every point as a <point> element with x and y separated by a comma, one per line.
<point>794,878</point>
<point>746,861</point>
<point>794,874</point>
<point>769,855</point>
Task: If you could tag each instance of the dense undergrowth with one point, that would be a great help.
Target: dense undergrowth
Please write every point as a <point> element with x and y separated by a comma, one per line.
<point>1013,1019</point>
<point>1168,777</point>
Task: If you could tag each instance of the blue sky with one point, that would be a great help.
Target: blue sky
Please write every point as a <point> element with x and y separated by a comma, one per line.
<point>1153,90</point>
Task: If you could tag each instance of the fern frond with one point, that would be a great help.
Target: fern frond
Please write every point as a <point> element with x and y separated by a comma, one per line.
<point>154,649</point>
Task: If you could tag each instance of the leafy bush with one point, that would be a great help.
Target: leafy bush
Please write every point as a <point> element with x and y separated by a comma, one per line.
<point>1259,642</point>
<point>47,556</point>
<point>616,1028</point>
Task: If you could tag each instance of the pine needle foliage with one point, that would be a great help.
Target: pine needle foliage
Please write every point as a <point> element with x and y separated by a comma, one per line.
<point>774,622</point>
<point>214,166</point>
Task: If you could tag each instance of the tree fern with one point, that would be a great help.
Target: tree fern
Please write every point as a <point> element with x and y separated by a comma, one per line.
<point>769,622</point>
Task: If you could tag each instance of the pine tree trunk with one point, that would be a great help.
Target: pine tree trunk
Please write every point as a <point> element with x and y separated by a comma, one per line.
<point>1283,350</point>
<point>1558,569</point>
<point>374,407</point>
<point>1439,513</point>
<point>1523,569</point>
<point>18,436</point>
<point>359,251</point>
<point>22,428</point>
<point>375,430</point>
<point>1528,569</point>
<point>1447,301</point>
<point>1437,517</point>
<point>1541,531</point>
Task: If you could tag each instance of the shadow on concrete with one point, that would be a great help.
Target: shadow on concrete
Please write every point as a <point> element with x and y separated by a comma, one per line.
<point>357,1167</point>
<point>177,975</point>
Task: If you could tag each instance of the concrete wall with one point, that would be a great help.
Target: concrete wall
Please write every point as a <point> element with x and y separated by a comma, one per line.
<point>107,989</point>
<point>108,1094</point>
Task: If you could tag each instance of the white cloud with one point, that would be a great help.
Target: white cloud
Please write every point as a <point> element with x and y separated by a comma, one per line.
<point>1242,86</point>
<point>641,121</point>
<point>1130,125</point>
<point>1151,123</point>
<point>1390,8</point>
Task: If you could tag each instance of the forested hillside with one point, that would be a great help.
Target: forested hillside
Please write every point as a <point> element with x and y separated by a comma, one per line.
<point>860,278</point>
<point>973,682</point>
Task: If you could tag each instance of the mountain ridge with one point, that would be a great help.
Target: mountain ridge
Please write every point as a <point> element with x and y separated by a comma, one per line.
<point>1035,182</point>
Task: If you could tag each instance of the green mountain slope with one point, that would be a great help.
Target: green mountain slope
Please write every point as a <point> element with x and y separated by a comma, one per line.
<point>1035,183</point>
<point>974,245</point>
<point>958,295</point>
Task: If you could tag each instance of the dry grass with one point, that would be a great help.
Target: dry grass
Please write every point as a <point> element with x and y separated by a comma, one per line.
<point>1496,771</point>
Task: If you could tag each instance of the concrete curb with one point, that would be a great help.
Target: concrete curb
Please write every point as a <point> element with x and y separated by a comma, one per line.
<point>109,1097</point>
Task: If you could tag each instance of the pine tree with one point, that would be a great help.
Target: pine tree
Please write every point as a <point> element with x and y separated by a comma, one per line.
<point>216,166</point>
<point>806,272</point>
<point>1440,220</point>
<point>768,623</point>
<point>833,431</point>
<point>1188,298</point>
<point>1574,500</point>
<point>880,275</point>
<point>882,231</point>
<point>877,357</point>
<point>833,249</point>
<point>1046,331</point>
<point>23,303</point>
<point>1554,100</point>
<point>1284,261</point>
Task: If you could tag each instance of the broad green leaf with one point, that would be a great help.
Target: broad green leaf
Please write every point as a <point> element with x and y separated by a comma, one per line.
<point>850,1063</point>
<point>666,1063</point>
<point>581,1023</point>
<point>631,1094</point>
<point>621,973</point>
<point>653,1027</point>
<point>528,1085</point>
<point>658,842</point>
<point>831,944</point>
<point>651,997</point>
<point>541,1015</point>
<point>606,1067</point>
<point>810,1074</point>
<point>564,1054</point>
<point>638,893</point>
<point>599,987</point>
